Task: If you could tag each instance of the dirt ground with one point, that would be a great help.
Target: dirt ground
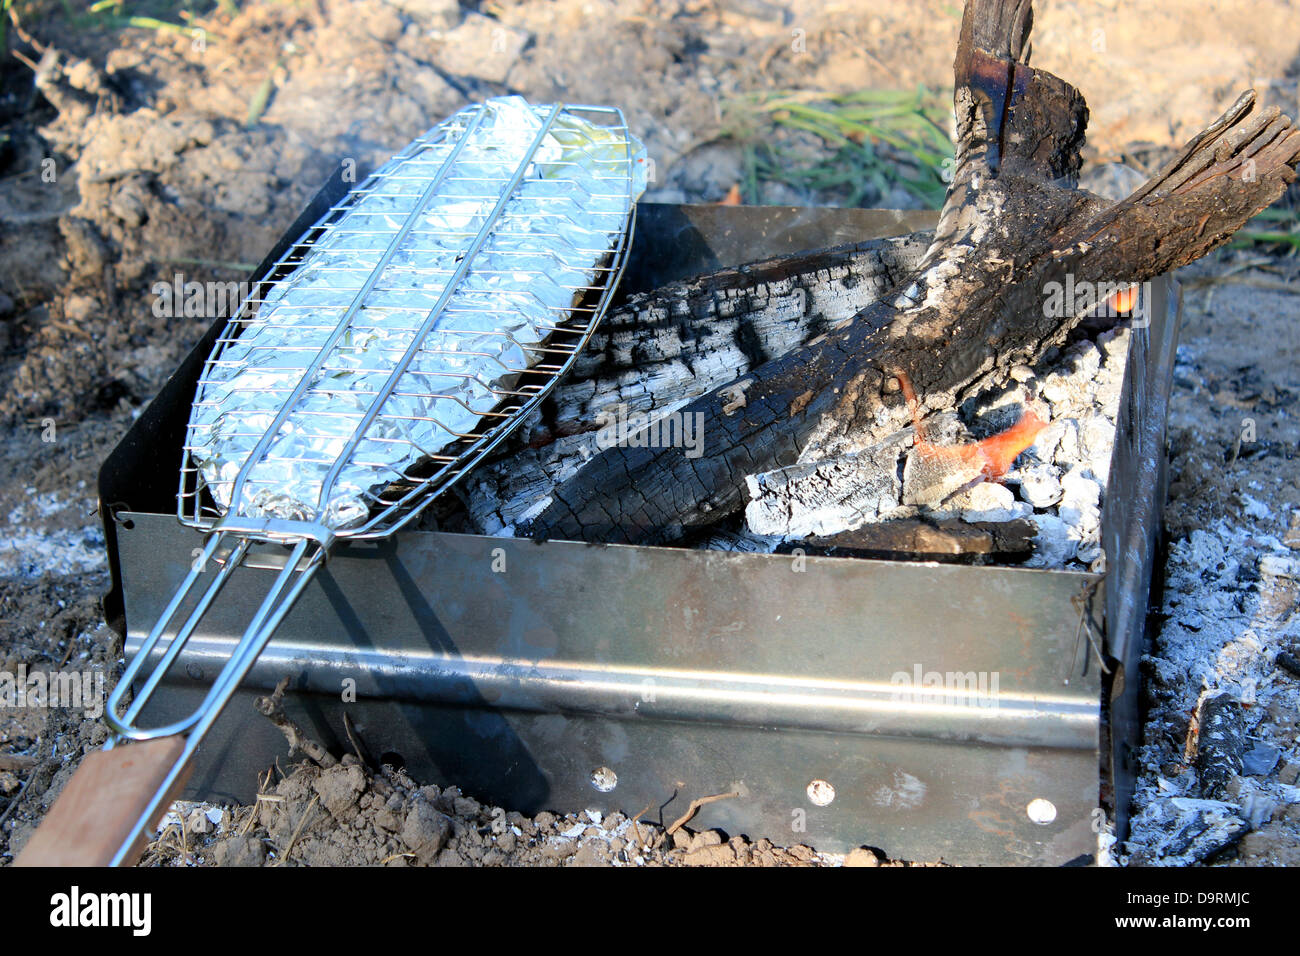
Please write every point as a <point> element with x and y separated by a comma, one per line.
<point>128,155</point>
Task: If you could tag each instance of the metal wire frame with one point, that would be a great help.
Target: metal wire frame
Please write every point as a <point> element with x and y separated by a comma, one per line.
<point>307,557</point>
<point>311,541</point>
<point>526,385</point>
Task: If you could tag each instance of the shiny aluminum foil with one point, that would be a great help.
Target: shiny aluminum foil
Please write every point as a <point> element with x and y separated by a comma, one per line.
<point>549,243</point>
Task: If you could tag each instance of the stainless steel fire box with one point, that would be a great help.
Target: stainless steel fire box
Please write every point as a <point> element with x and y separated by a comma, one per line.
<point>935,711</point>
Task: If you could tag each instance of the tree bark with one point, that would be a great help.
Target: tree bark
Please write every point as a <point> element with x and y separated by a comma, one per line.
<point>1013,224</point>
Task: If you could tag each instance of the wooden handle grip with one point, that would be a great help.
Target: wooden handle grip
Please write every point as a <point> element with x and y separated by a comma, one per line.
<point>101,803</point>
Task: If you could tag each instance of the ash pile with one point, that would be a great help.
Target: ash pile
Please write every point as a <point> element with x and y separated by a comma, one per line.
<point>929,496</point>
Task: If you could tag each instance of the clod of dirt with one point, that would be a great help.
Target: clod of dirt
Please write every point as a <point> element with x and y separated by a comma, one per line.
<point>704,839</point>
<point>481,48</point>
<point>239,851</point>
<point>717,855</point>
<point>339,788</point>
<point>862,857</point>
<point>388,819</point>
<point>426,829</point>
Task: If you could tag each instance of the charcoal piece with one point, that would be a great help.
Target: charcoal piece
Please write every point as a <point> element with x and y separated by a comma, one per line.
<point>1221,743</point>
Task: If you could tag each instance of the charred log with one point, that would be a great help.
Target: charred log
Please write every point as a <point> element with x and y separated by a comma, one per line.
<point>660,350</point>
<point>689,337</point>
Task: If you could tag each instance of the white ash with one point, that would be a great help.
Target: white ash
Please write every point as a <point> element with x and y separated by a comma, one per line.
<point>742,540</point>
<point>993,502</point>
<point>1040,486</point>
<point>1059,483</point>
<point>1063,475</point>
<point>1230,602</point>
<point>1053,545</point>
<point>1192,829</point>
<point>815,498</point>
<point>49,533</point>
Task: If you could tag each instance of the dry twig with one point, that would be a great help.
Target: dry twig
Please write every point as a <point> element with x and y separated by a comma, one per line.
<point>311,808</point>
<point>694,808</point>
<point>272,708</point>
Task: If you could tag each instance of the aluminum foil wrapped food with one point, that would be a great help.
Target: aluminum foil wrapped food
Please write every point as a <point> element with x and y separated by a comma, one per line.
<point>550,240</point>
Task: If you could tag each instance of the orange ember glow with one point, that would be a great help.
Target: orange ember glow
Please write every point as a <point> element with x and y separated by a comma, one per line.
<point>991,457</point>
<point>1000,450</point>
<point>1122,302</point>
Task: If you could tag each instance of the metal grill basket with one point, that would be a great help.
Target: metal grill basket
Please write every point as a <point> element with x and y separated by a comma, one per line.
<point>391,348</point>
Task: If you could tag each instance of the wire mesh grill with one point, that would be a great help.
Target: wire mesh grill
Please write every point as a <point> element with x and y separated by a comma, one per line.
<point>417,323</point>
<point>398,342</point>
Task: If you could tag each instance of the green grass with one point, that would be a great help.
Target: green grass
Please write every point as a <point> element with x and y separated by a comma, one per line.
<point>866,143</point>
<point>174,16</point>
<point>1274,227</point>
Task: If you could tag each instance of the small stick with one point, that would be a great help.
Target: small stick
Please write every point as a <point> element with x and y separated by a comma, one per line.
<point>16,800</point>
<point>352,739</point>
<point>26,61</point>
<point>636,826</point>
<point>23,34</point>
<point>242,826</point>
<point>72,643</point>
<point>311,807</point>
<point>694,808</point>
<point>262,797</point>
<point>272,708</point>
<point>377,783</point>
<point>184,838</point>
